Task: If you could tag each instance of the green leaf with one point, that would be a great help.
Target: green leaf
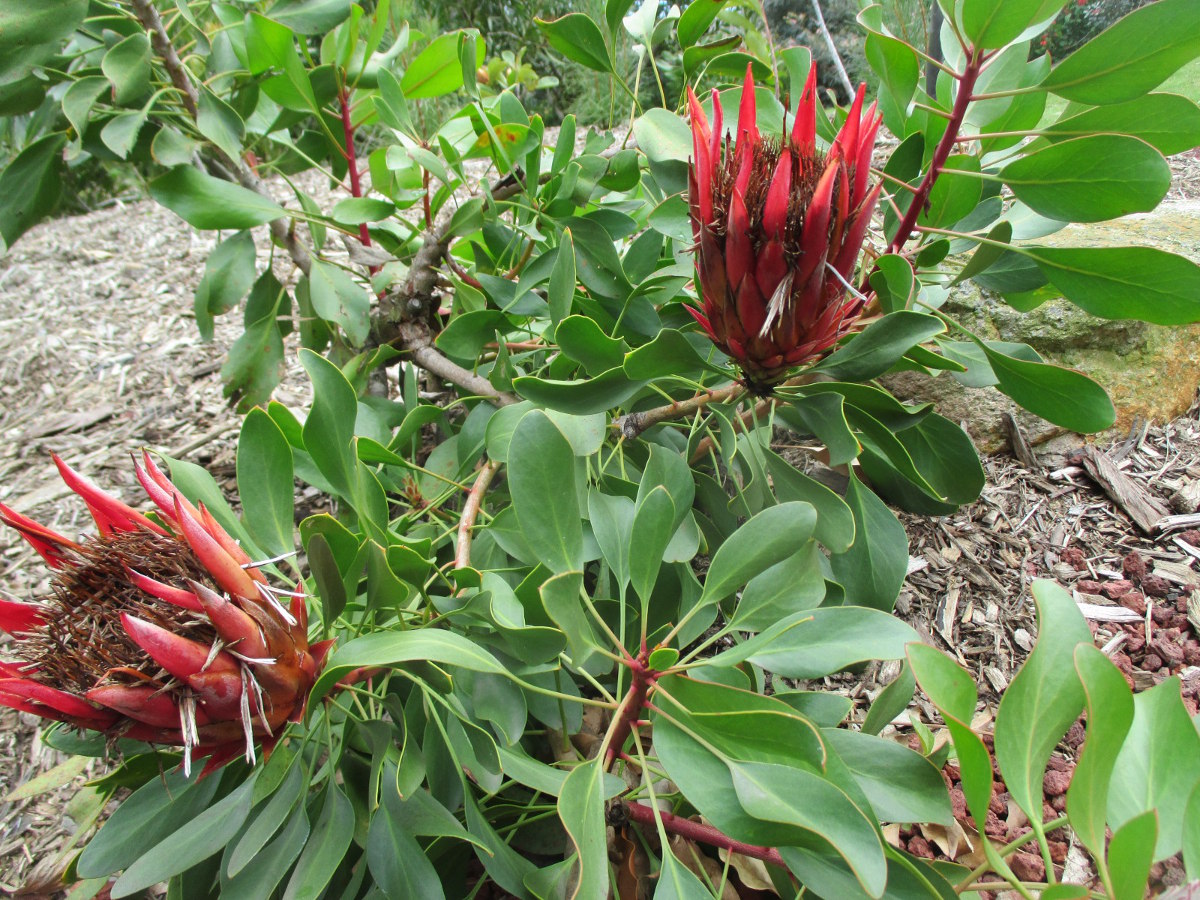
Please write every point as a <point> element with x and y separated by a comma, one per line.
<point>156,808</point>
<point>790,586</point>
<point>582,339</point>
<point>766,538</point>
<point>991,24</point>
<point>220,123</point>
<point>1090,179</point>
<point>953,693</point>
<point>581,808</point>
<point>931,468</point>
<point>437,70</point>
<point>819,642</point>
<point>890,702</point>
<point>880,346</point>
<point>209,203</point>
<point>1159,766</point>
<point>339,299</point>
<point>1132,57</point>
<point>1130,855</point>
<point>835,520</point>
<point>902,785</point>
<point>328,844</point>
<point>394,648</point>
<point>540,455</point>
<point>560,598</point>
<point>31,33</point>
<point>955,193</point>
<point>583,396</point>
<point>398,864</point>
<point>1124,282</point>
<point>269,817</point>
<point>662,135</point>
<point>1109,704</point>
<point>987,254</point>
<point>675,880</point>
<point>127,67</point>
<point>360,210</point>
<point>809,803</point>
<point>329,427</point>
<point>121,132</point>
<point>1057,394</point>
<point>330,587</point>
<point>273,861</point>
<point>695,20</point>
<point>1167,122</point>
<point>310,16</point>
<point>824,416</point>
<point>264,477</point>
<point>560,293</point>
<point>893,282</point>
<point>1191,834</point>
<point>199,839</point>
<point>951,690</point>
<point>741,724</point>
<point>1043,699</point>
<point>653,525</point>
<point>30,186</point>
<point>79,99</point>
<point>578,38</point>
<point>873,569</point>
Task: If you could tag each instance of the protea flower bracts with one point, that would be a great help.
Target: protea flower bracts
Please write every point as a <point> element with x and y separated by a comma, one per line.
<point>167,635</point>
<point>778,228</point>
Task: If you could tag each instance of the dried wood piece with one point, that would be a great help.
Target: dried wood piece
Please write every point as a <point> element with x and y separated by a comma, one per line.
<point>65,423</point>
<point>1020,445</point>
<point>1130,496</point>
<point>1187,498</point>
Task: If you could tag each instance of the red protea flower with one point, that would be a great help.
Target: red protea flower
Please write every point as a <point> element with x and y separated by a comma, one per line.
<point>168,635</point>
<point>778,228</point>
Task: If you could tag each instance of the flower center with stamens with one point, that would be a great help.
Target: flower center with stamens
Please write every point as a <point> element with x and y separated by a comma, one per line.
<point>82,643</point>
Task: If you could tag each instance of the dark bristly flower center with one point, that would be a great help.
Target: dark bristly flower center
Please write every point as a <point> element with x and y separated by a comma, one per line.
<point>806,172</point>
<point>82,640</point>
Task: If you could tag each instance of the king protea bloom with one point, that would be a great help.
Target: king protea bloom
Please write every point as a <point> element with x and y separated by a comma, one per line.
<point>778,227</point>
<point>162,634</point>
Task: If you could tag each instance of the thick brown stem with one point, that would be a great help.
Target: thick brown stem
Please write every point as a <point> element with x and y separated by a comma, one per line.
<point>161,41</point>
<point>942,152</point>
<point>462,556</point>
<point>701,833</point>
<point>633,424</point>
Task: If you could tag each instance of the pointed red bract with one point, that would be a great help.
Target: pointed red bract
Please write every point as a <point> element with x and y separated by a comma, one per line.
<point>50,545</point>
<point>748,114</point>
<point>804,129</point>
<point>109,513</point>
<point>19,617</point>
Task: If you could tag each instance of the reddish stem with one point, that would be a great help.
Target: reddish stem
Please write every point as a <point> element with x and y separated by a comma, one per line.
<point>704,834</point>
<point>364,236</point>
<point>942,152</point>
<point>630,711</point>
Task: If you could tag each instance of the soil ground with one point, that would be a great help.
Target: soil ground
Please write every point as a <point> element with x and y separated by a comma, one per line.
<point>100,357</point>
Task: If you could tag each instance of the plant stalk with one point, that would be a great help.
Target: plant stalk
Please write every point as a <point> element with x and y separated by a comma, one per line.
<point>462,556</point>
<point>701,833</point>
<point>942,152</point>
